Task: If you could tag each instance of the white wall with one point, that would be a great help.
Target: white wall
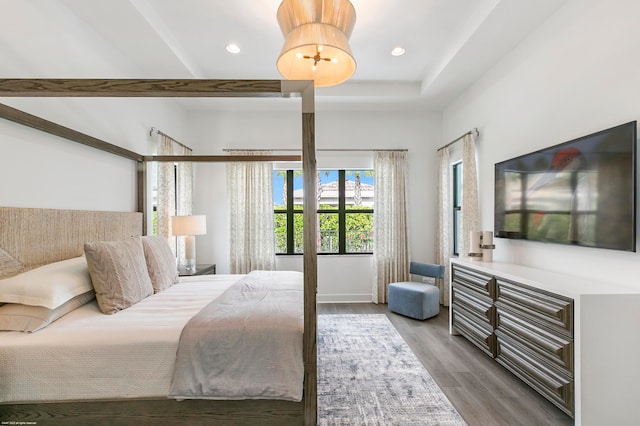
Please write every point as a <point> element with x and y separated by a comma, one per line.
<point>340,278</point>
<point>575,75</point>
<point>41,170</point>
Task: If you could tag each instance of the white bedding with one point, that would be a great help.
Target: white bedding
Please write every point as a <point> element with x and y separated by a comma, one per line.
<point>89,355</point>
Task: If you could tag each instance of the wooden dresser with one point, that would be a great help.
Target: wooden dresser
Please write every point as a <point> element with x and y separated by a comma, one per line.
<point>575,341</point>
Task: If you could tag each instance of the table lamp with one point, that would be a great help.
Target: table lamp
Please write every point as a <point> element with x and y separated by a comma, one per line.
<point>189,227</point>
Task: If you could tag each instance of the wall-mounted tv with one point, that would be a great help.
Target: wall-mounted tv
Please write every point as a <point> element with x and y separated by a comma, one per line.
<point>581,192</point>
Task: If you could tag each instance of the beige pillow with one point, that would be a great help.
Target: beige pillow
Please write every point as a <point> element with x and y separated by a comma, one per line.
<point>17,317</point>
<point>119,273</point>
<point>161,263</point>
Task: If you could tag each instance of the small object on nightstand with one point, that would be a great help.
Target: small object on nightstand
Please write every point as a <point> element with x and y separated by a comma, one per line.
<point>199,270</point>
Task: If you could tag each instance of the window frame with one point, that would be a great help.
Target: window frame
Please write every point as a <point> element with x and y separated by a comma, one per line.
<point>456,186</point>
<point>342,211</point>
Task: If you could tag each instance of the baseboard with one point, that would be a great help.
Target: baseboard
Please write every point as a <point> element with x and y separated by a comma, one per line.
<point>344,298</point>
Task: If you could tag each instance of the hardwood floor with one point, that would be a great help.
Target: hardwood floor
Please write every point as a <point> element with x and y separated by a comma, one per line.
<point>482,391</point>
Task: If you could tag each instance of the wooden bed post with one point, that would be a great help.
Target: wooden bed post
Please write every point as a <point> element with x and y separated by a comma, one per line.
<point>306,89</point>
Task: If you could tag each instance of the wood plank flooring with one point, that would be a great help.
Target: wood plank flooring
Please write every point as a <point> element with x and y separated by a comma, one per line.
<point>482,391</point>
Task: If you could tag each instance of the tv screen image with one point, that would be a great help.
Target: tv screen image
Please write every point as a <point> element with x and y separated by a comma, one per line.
<point>581,192</point>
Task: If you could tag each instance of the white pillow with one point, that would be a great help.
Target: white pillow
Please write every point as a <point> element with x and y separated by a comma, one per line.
<point>15,317</point>
<point>49,285</point>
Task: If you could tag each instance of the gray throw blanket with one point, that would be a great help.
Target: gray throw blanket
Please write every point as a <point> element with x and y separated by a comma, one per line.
<point>246,344</point>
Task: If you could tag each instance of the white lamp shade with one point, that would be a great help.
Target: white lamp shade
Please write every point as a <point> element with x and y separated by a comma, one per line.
<point>316,28</point>
<point>189,225</point>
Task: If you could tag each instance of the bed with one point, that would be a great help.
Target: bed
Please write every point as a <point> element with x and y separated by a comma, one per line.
<point>133,354</point>
<point>15,253</point>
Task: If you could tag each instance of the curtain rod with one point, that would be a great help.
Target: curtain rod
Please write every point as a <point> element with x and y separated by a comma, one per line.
<point>470,132</point>
<point>153,129</point>
<point>319,149</point>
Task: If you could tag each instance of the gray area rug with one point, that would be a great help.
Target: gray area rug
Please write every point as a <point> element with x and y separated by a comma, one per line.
<point>368,375</point>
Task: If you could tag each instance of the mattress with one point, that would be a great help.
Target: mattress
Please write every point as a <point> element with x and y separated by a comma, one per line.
<point>89,355</point>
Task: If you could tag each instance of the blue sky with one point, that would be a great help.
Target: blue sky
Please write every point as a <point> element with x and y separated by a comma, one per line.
<point>325,177</point>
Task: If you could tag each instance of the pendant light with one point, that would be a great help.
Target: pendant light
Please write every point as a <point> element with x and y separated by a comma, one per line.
<point>316,45</point>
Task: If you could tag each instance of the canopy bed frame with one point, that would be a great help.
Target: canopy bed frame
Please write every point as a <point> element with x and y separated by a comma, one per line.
<point>166,410</point>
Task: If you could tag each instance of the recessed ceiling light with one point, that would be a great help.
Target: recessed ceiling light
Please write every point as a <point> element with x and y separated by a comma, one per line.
<point>398,51</point>
<point>233,48</point>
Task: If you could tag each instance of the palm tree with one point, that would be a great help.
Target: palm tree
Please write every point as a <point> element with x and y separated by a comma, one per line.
<point>283,173</point>
<point>319,195</point>
<point>357,190</point>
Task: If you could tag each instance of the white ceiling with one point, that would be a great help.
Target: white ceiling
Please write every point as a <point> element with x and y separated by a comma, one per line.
<point>449,44</point>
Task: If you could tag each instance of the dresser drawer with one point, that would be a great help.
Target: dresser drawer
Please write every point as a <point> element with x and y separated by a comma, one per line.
<point>474,302</point>
<point>553,348</point>
<point>556,387</point>
<point>474,328</point>
<point>547,309</point>
<point>481,283</point>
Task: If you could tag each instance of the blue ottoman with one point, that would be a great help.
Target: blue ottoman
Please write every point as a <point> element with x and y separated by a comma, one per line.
<point>414,300</point>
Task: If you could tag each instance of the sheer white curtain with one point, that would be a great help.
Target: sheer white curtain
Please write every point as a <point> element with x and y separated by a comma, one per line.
<point>173,200</point>
<point>184,190</point>
<point>166,202</point>
<point>470,211</point>
<point>443,222</point>
<point>390,246</point>
<point>250,187</point>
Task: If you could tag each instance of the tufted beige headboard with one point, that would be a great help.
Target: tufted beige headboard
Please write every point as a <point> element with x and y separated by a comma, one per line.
<point>32,237</point>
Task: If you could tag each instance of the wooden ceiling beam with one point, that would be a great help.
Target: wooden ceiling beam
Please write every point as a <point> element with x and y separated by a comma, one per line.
<point>165,88</point>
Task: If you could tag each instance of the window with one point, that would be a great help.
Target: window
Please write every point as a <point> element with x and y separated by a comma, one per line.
<point>457,206</point>
<point>345,211</point>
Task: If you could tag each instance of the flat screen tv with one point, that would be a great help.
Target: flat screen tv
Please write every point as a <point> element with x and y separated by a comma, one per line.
<point>581,192</point>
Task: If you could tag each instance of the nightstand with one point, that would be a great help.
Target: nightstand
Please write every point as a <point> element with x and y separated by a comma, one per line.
<point>202,269</point>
